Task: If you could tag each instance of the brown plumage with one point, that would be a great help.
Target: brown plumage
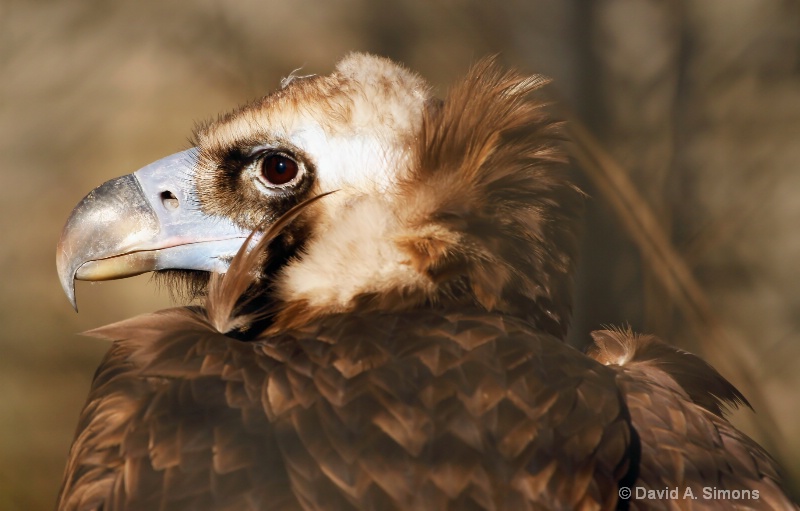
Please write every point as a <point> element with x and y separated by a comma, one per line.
<point>394,339</point>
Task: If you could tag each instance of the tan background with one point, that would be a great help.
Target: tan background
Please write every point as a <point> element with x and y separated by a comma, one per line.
<point>698,100</point>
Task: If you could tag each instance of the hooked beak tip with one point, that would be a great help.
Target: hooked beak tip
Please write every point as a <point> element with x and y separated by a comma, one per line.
<point>66,277</point>
<point>72,301</point>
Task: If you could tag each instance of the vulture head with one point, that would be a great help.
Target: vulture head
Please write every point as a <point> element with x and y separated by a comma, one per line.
<point>455,202</point>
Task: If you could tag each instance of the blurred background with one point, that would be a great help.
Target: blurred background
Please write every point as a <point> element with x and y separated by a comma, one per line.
<point>696,102</point>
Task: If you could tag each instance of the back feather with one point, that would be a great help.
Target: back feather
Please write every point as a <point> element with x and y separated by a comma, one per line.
<point>675,368</point>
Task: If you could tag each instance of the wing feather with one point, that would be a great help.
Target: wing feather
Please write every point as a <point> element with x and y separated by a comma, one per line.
<point>676,403</point>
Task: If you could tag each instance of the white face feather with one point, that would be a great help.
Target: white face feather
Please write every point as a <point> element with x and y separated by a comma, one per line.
<point>353,250</point>
<point>355,254</point>
<point>359,161</point>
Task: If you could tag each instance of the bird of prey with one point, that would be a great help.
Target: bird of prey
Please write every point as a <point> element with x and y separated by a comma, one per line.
<point>385,280</point>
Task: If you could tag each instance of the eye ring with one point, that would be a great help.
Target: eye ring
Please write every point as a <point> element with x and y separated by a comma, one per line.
<point>278,169</point>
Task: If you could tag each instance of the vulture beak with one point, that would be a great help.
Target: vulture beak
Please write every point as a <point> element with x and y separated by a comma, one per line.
<point>145,221</point>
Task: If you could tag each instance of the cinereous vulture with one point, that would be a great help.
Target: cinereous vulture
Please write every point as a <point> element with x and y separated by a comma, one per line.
<point>391,335</point>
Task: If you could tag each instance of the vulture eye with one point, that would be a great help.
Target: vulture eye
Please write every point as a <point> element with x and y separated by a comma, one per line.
<point>278,169</point>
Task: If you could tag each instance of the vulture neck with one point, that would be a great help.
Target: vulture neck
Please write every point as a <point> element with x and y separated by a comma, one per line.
<point>482,216</point>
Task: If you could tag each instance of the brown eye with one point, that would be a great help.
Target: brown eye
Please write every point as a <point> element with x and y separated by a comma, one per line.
<point>278,169</point>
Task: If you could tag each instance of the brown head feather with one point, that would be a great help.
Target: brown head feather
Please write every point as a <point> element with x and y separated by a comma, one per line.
<point>489,207</point>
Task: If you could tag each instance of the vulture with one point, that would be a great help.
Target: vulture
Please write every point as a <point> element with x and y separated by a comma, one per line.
<point>383,287</point>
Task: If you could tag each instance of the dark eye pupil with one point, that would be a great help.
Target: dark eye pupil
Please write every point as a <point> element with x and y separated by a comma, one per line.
<point>279,169</point>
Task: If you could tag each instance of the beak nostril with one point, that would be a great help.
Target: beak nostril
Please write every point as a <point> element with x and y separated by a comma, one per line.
<point>169,200</point>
